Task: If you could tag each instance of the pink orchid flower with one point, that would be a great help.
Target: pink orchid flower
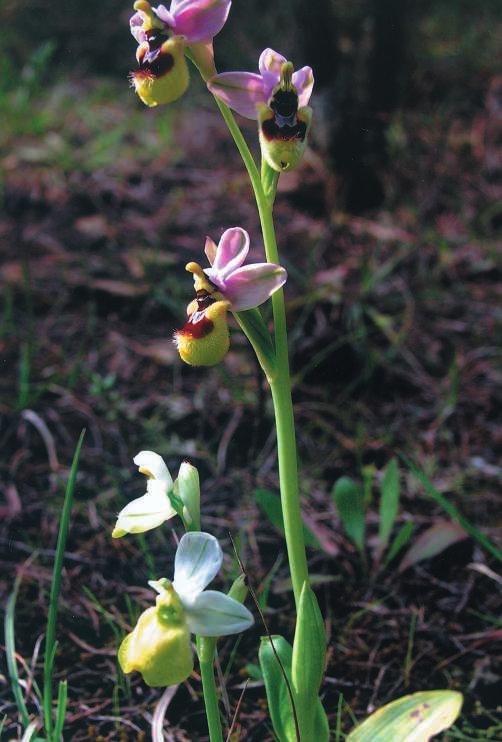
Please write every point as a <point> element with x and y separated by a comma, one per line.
<point>227,285</point>
<point>163,36</point>
<point>245,91</point>
<point>244,286</point>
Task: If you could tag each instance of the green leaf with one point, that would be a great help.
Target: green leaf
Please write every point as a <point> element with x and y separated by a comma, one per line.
<point>389,503</point>
<point>279,702</point>
<point>349,501</point>
<point>321,723</point>
<point>309,655</point>
<point>413,718</point>
<point>10,653</point>
<point>432,542</point>
<point>401,539</point>
<point>270,504</point>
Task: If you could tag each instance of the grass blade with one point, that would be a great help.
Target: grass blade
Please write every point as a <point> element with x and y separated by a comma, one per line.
<point>50,639</point>
<point>452,511</point>
<point>61,710</point>
<point>29,732</point>
<point>10,651</point>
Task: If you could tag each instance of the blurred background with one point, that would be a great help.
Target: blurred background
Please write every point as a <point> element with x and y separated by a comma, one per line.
<point>389,229</point>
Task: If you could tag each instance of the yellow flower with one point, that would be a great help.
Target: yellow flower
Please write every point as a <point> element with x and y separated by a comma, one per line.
<point>159,646</point>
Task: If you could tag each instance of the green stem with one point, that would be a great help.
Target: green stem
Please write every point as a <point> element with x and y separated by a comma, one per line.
<point>205,650</point>
<point>280,381</point>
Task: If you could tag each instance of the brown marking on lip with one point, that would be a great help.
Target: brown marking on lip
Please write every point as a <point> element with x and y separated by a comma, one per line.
<point>157,62</point>
<point>197,326</point>
<point>271,130</point>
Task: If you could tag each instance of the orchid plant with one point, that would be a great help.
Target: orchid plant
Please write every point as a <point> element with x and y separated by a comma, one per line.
<point>159,645</point>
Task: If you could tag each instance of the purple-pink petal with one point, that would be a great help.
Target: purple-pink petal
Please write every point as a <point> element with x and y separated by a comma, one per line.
<point>164,15</point>
<point>251,285</point>
<point>242,91</point>
<point>303,80</point>
<point>136,26</point>
<point>200,20</point>
<point>210,249</point>
<point>231,252</point>
<point>271,62</point>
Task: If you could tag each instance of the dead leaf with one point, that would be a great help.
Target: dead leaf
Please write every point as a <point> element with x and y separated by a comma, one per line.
<point>432,542</point>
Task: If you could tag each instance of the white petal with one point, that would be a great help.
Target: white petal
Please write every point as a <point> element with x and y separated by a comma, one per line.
<point>153,465</point>
<point>214,614</point>
<point>145,513</point>
<point>197,562</point>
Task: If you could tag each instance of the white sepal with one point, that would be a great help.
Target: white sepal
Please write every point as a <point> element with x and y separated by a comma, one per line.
<point>146,512</point>
<point>214,614</point>
<point>153,466</point>
<point>197,562</point>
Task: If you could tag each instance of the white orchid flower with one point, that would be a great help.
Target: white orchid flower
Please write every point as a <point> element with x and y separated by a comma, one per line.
<point>159,646</point>
<point>154,507</point>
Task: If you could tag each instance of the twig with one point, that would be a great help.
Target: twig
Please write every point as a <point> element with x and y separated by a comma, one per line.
<point>237,710</point>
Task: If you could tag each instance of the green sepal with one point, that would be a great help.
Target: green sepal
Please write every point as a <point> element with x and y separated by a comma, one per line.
<point>412,718</point>
<point>309,656</point>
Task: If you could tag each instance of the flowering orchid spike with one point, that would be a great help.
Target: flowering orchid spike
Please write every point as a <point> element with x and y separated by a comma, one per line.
<point>164,36</point>
<point>278,98</point>
<point>159,646</point>
<point>154,507</point>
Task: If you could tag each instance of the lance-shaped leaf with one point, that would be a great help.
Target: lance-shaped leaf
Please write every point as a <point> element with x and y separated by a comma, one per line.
<point>279,701</point>
<point>413,718</point>
<point>278,697</point>
<point>309,655</point>
<point>389,504</point>
<point>349,501</point>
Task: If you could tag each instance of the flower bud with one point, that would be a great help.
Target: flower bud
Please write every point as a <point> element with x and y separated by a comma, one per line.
<point>187,487</point>
<point>159,646</point>
<point>163,73</point>
<point>239,589</point>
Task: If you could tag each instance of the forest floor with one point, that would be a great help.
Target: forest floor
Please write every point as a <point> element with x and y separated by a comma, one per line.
<point>392,318</point>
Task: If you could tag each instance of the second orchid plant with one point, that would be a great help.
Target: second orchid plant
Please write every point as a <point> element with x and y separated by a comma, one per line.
<point>159,646</point>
